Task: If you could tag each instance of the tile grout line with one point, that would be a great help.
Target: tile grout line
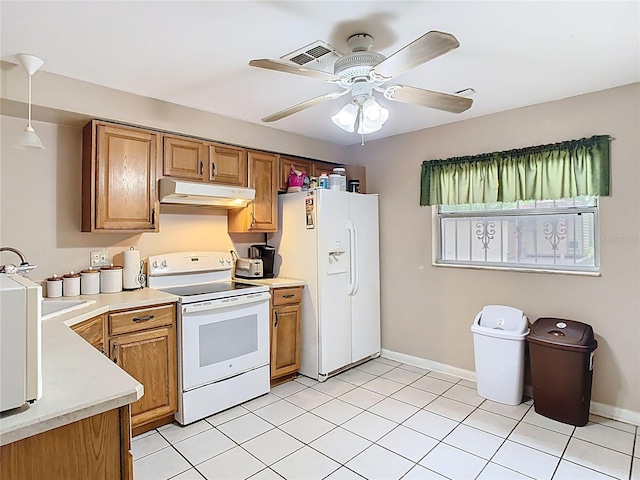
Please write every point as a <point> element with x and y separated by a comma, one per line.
<point>397,424</point>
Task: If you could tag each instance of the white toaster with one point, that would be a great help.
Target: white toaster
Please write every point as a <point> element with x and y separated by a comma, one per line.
<point>249,268</point>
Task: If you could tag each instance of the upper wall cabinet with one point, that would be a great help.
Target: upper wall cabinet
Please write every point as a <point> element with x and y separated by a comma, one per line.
<point>185,158</point>
<point>119,178</point>
<point>261,215</point>
<point>285,167</point>
<point>319,167</point>
<point>228,165</point>
<point>195,160</point>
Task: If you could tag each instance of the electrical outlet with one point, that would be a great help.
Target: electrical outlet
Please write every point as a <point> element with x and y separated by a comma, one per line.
<point>99,258</point>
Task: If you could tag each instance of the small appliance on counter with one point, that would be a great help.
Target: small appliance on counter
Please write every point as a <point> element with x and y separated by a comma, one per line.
<point>249,268</point>
<point>267,254</point>
<point>20,341</point>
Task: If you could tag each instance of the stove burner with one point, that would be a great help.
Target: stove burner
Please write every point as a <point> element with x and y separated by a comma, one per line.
<point>204,288</point>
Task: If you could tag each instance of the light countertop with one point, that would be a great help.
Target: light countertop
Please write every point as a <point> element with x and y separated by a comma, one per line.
<point>77,380</point>
<point>277,282</point>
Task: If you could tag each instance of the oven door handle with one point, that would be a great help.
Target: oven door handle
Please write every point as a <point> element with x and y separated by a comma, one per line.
<point>229,302</point>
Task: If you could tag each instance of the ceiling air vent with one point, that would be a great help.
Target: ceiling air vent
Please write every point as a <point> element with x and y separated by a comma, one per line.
<point>317,55</point>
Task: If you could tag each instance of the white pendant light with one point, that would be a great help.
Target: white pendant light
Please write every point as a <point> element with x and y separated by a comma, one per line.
<point>29,138</point>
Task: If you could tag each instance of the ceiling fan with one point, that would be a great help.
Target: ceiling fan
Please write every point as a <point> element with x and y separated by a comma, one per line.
<point>362,72</point>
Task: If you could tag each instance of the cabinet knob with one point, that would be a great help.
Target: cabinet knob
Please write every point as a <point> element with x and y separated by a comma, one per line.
<point>115,352</point>
<point>275,312</point>
<point>213,170</point>
<point>201,168</point>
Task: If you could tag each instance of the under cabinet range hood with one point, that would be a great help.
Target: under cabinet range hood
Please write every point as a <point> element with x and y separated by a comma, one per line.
<point>206,194</point>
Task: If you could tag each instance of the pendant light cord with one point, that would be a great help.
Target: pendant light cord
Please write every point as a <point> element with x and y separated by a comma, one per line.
<point>30,101</point>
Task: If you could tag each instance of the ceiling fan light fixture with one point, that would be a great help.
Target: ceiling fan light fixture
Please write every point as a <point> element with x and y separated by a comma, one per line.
<point>346,117</point>
<point>29,138</point>
<point>374,112</point>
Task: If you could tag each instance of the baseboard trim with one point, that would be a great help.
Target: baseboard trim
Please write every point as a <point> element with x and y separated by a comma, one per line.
<point>429,365</point>
<point>600,409</point>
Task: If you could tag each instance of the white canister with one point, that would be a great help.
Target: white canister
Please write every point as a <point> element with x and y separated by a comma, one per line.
<point>334,181</point>
<point>89,282</point>
<point>54,286</point>
<point>343,177</point>
<point>111,279</point>
<point>71,284</point>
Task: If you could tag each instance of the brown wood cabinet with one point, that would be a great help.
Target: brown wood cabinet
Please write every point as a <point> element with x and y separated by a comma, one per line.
<point>285,167</point>
<point>228,165</point>
<point>261,215</point>
<point>185,158</point>
<point>119,175</point>
<point>98,447</point>
<point>318,167</point>
<point>143,343</point>
<point>286,314</point>
<point>92,331</point>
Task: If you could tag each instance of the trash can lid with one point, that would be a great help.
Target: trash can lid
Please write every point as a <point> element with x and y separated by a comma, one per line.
<point>558,331</point>
<point>502,317</point>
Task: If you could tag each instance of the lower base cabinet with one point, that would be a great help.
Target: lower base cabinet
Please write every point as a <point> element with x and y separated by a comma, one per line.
<point>285,333</point>
<point>142,342</point>
<point>96,448</point>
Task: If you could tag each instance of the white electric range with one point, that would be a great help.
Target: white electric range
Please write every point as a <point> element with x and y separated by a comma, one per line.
<point>223,332</point>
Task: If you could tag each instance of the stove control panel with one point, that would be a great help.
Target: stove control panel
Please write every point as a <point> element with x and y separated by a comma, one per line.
<point>189,262</point>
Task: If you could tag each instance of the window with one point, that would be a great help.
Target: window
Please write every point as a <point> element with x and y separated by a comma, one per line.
<point>557,235</point>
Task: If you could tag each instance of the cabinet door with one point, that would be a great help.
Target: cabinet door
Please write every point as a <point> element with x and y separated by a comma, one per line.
<point>318,167</point>
<point>150,358</point>
<point>228,165</point>
<point>285,167</point>
<point>92,331</point>
<point>125,182</point>
<point>285,340</point>
<point>184,158</point>
<point>261,214</point>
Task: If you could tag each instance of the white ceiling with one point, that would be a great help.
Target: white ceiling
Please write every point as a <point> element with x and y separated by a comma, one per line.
<point>513,53</point>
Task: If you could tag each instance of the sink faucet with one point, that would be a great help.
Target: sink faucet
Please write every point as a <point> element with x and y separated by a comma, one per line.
<point>11,268</point>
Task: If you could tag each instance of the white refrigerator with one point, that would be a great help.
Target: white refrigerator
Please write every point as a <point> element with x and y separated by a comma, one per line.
<point>330,240</point>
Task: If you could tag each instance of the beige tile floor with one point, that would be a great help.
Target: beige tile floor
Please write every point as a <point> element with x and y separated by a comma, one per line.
<point>386,420</point>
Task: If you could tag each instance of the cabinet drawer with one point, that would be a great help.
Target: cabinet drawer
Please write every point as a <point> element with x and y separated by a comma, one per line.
<point>284,296</point>
<point>141,319</point>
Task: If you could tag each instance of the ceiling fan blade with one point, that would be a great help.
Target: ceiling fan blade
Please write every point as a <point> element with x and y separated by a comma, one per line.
<point>428,98</point>
<point>290,68</point>
<point>302,106</point>
<point>429,46</point>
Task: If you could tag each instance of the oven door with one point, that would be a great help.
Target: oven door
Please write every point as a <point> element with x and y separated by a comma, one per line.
<point>222,338</point>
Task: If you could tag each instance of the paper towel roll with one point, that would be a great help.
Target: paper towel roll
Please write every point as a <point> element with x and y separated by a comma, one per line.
<point>131,269</point>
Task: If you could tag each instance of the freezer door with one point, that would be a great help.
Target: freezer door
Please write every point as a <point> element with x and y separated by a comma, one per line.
<point>365,296</point>
<point>332,221</point>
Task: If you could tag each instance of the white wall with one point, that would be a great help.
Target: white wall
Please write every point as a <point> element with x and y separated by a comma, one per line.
<point>427,311</point>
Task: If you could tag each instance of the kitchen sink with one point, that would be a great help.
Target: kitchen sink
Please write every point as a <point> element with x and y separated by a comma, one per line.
<point>52,307</point>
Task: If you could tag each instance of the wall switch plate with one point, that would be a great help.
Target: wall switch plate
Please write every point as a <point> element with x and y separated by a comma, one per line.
<point>99,258</point>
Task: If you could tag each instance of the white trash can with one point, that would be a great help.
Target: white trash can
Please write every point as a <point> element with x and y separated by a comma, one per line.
<point>498,340</point>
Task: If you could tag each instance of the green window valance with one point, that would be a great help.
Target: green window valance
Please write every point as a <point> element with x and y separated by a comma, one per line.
<point>545,172</point>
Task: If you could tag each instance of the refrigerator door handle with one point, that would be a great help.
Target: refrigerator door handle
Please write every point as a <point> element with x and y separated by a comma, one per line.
<point>353,266</point>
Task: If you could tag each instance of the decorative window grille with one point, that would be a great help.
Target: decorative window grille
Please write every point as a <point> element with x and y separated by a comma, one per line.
<point>558,235</point>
